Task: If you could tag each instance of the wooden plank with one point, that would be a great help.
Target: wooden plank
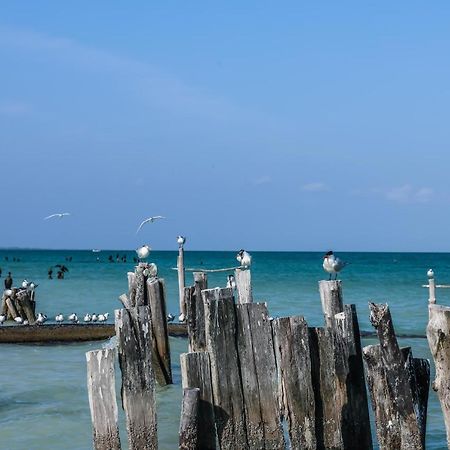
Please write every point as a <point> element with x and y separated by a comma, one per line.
<point>397,377</point>
<point>189,423</point>
<point>220,335</point>
<point>438,334</point>
<point>102,399</point>
<point>292,351</point>
<point>196,373</point>
<point>259,376</point>
<point>243,280</point>
<point>133,329</point>
<point>156,295</point>
<point>331,299</point>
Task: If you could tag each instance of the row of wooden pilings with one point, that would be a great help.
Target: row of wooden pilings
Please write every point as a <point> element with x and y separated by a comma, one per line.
<point>252,382</point>
<point>18,303</point>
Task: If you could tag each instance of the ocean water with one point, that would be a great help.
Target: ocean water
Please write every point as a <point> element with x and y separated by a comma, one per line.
<point>43,395</point>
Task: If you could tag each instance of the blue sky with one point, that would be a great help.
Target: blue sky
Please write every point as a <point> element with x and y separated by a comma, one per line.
<point>293,126</point>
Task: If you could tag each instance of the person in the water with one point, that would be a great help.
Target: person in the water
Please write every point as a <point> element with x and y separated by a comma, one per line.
<point>8,281</point>
<point>50,273</point>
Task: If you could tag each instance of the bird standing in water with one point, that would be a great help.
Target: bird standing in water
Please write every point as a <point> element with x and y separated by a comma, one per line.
<point>332,264</point>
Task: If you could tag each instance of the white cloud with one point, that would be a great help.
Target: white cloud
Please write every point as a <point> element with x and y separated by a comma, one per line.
<point>409,194</point>
<point>315,187</point>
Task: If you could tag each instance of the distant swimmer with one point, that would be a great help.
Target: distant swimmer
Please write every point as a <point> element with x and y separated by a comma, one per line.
<point>332,264</point>
<point>8,281</point>
<point>59,215</point>
<point>244,258</point>
<point>149,220</point>
<point>50,273</point>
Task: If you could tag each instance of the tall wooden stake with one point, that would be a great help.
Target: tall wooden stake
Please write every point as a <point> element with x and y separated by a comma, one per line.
<point>189,423</point>
<point>331,298</point>
<point>243,278</point>
<point>181,281</point>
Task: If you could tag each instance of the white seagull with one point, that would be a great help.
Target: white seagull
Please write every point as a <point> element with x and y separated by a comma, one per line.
<point>59,215</point>
<point>87,317</point>
<point>103,317</point>
<point>59,318</point>
<point>18,319</point>
<point>73,318</point>
<point>41,318</point>
<point>2,318</point>
<point>332,264</point>
<point>143,251</point>
<point>244,258</point>
<point>181,240</point>
<point>231,282</point>
<point>148,220</point>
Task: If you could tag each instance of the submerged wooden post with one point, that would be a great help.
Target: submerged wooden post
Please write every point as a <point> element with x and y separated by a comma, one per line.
<point>331,298</point>
<point>438,334</point>
<point>243,278</point>
<point>159,332</point>
<point>181,281</point>
<point>189,423</point>
<point>102,399</point>
<point>292,351</point>
<point>399,381</point>
<point>229,411</point>
<point>133,329</point>
<point>196,373</point>
<point>259,376</point>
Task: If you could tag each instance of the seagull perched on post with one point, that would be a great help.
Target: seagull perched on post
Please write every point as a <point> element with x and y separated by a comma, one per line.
<point>181,240</point>
<point>59,215</point>
<point>244,258</point>
<point>332,264</point>
<point>149,220</point>
<point>143,251</point>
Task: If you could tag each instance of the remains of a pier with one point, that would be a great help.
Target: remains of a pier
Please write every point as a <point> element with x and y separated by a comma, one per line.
<point>18,303</point>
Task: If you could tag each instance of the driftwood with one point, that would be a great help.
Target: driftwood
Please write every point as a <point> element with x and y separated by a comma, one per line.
<point>220,328</point>
<point>259,376</point>
<point>133,328</point>
<point>243,280</point>
<point>189,423</point>
<point>297,395</point>
<point>196,373</point>
<point>160,339</point>
<point>393,375</point>
<point>438,333</point>
<point>331,298</point>
<point>102,399</point>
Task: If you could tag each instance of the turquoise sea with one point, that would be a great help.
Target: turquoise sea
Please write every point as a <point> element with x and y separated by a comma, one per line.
<point>43,395</point>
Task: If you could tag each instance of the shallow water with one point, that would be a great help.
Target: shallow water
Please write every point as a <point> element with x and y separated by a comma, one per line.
<point>44,386</point>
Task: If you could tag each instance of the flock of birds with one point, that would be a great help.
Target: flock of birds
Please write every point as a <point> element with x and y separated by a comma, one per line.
<point>59,318</point>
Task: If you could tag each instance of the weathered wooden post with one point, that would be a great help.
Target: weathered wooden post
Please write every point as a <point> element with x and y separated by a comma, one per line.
<point>331,298</point>
<point>133,329</point>
<point>196,312</point>
<point>23,299</point>
<point>189,423</point>
<point>297,402</point>
<point>438,334</point>
<point>181,278</point>
<point>131,288</point>
<point>431,286</point>
<point>196,373</point>
<point>243,278</point>
<point>140,285</point>
<point>159,333</point>
<point>102,399</point>
<point>229,411</point>
<point>259,376</point>
<point>393,383</point>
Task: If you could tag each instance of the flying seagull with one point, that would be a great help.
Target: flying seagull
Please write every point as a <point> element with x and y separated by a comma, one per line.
<point>60,215</point>
<point>332,264</point>
<point>149,220</point>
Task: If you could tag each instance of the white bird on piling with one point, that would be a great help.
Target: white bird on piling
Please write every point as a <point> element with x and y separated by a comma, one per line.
<point>170,318</point>
<point>143,251</point>
<point>332,264</point>
<point>8,292</point>
<point>59,318</point>
<point>149,220</point>
<point>181,240</point>
<point>41,318</point>
<point>244,258</point>
<point>103,317</point>
<point>94,317</point>
<point>181,318</point>
<point>18,319</point>
<point>87,318</point>
<point>231,282</point>
<point>59,215</point>
<point>73,318</point>
<point>430,273</point>
<point>25,284</point>
<point>2,318</point>
<point>25,322</point>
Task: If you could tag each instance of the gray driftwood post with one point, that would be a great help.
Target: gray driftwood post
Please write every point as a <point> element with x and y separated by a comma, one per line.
<point>297,395</point>
<point>438,334</point>
<point>259,376</point>
<point>196,312</point>
<point>23,299</point>
<point>181,280</point>
<point>102,399</point>
<point>12,311</point>
<point>243,278</point>
<point>331,298</point>
<point>131,288</point>
<point>189,423</point>
<point>125,301</point>
<point>399,381</point>
<point>220,321</point>
<point>139,285</point>
<point>160,337</point>
<point>133,330</point>
<point>196,373</point>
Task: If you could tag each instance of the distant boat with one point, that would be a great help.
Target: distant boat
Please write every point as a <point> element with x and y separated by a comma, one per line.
<point>96,250</point>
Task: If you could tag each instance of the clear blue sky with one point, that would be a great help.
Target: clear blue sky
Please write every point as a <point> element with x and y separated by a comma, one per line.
<point>268,126</point>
